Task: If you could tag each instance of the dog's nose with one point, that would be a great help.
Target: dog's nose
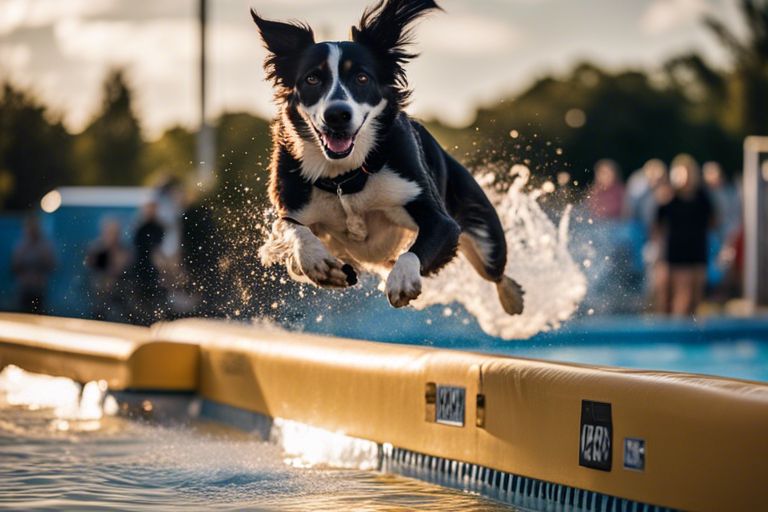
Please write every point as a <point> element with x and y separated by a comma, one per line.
<point>337,116</point>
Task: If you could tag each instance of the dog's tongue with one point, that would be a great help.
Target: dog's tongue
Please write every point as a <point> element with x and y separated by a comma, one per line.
<point>338,144</point>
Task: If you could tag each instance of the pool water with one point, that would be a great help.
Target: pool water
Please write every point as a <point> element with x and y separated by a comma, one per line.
<point>727,347</point>
<point>739,358</point>
<point>50,460</point>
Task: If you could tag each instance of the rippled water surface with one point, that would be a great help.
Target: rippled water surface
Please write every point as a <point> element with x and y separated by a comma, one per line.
<point>120,464</point>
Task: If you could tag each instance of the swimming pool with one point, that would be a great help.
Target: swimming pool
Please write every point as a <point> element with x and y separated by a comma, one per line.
<point>56,454</point>
<point>726,347</point>
<point>723,346</point>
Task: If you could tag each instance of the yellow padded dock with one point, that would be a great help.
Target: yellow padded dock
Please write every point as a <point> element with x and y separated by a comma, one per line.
<point>682,441</point>
<point>705,439</point>
<point>125,356</point>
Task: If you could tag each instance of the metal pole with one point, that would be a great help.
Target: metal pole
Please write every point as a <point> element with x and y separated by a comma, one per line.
<point>206,144</point>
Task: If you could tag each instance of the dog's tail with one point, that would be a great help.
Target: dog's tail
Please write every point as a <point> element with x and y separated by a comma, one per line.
<point>510,295</point>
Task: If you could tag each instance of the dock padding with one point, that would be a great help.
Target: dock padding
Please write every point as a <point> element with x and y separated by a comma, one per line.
<point>681,441</point>
<point>692,442</point>
<point>125,356</point>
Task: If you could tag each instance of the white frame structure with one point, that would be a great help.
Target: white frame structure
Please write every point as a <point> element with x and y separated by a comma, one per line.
<point>756,220</point>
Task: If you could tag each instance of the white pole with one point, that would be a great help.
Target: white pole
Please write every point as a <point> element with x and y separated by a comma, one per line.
<point>756,220</point>
<point>206,143</point>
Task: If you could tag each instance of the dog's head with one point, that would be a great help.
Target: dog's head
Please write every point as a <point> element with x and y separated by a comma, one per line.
<point>340,89</point>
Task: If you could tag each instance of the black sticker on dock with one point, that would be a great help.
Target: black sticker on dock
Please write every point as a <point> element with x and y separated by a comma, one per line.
<point>450,405</point>
<point>596,437</point>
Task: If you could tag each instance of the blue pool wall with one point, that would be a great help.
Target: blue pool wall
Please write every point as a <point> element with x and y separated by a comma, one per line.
<point>71,229</point>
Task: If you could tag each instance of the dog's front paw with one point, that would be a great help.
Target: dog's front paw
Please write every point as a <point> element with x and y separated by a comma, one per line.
<point>404,281</point>
<point>320,267</point>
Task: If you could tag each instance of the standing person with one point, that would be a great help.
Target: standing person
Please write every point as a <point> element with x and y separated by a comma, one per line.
<point>682,225</point>
<point>606,195</point>
<point>149,295</point>
<point>640,201</point>
<point>169,201</point>
<point>32,263</point>
<point>170,197</point>
<point>107,259</point>
<point>725,199</point>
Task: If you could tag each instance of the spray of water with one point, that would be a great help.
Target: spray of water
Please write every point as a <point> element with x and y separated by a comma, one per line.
<point>307,446</point>
<point>538,259</point>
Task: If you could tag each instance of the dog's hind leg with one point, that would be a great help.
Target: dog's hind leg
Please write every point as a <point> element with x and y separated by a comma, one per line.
<point>482,237</point>
<point>510,292</point>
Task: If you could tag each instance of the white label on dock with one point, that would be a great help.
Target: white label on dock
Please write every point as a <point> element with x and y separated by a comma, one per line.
<point>450,406</point>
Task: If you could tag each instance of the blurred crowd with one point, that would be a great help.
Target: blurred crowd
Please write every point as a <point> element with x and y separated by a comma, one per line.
<point>689,219</point>
<point>685,219</point>
<point>165,268</point>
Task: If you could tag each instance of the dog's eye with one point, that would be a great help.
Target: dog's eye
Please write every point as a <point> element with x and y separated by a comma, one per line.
<point>362,79</point>
<point>312,79</point>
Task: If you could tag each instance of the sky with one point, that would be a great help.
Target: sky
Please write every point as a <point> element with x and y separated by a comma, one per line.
<point>473,54</point>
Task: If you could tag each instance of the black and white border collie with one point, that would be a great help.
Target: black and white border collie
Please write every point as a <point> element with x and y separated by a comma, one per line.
<point>357,184</point>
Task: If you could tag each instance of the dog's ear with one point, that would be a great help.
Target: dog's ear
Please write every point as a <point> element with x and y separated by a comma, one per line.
<point>385,28</point>
<point>284,42</point>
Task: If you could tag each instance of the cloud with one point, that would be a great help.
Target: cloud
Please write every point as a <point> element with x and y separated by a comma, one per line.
<point>161,58</point>
<point>153,44</point>
<point>159,46</point>
<point>467,35</point>
<point>38,13</point>
<point>665,15</point>
<point>14,58</point>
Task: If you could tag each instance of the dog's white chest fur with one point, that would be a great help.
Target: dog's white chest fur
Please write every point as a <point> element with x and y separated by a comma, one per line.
<point>372,226</point>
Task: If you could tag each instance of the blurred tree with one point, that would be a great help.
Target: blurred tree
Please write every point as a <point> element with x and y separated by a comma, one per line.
<point>630,116</point>
<point>173,154</point>
<point>747,112</point>
<point>568,124</point>
<point>704,87</point>
<point>244,143</point>
<point>35,151</point>
<point>109,150</point>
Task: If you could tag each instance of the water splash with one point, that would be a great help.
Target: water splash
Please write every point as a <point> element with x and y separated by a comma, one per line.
<point>306,446</point>
<point>538,259</point>
<point>74,407</point>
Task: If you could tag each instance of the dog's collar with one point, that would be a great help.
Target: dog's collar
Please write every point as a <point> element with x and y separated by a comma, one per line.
<point>351,182</point>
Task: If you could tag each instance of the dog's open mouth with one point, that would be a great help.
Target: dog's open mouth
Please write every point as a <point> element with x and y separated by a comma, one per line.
<point>337,145</point>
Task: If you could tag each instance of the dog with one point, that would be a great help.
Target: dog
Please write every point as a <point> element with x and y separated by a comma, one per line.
<point>357,184</point>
